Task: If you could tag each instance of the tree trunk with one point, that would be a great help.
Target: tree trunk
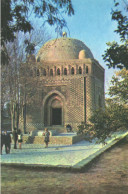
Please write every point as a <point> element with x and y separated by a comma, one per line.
<point>24,117</point>
<point>12,116</point>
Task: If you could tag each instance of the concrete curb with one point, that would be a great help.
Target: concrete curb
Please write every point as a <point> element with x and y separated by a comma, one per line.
<point>86,161</point>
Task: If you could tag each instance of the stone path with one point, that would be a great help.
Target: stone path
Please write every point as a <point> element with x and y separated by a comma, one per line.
<point>74,156</point>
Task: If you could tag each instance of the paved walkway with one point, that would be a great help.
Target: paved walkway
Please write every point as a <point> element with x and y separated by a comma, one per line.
<point>73,156</point>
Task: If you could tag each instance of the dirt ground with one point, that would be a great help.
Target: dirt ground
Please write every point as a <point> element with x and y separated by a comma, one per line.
<point>108,174</point>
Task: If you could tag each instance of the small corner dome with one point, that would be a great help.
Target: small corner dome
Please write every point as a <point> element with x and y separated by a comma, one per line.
<point>83,54</point>
<point>62,49</point>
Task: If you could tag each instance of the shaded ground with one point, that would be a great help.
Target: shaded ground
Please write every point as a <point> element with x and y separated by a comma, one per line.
<point>108,174</point>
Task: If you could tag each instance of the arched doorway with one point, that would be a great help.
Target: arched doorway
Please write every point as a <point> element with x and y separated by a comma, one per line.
<point>53,109</point>
<point>56,112</point>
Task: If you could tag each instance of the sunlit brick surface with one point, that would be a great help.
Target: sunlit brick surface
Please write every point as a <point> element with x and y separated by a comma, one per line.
<point>72,86</point>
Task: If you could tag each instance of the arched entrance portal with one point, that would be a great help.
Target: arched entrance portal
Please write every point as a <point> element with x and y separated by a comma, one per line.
<point>53,109</point>
<point>56,112</point>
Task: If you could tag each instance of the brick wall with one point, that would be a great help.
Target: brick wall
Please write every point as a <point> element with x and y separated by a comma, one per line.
<point>80,94</point>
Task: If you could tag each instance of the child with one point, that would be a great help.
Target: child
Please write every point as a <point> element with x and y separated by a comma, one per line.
<point>19,138</point>
<point>46,139</point>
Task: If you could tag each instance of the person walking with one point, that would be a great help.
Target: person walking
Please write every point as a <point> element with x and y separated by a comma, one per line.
<point>20,138</point>
<point>2,140</point>
<point>7,142</point>
<point>46,138</point>
<point>15,137</point>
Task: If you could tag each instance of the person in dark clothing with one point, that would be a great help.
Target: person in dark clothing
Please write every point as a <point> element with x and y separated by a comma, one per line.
<point>69,128</point>
<point>15,137</point>
<point>2,141</point>
<point>46,138</point>
<point>7,142</point>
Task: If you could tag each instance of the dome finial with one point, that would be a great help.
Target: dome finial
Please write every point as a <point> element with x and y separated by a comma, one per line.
<point>64,34</point>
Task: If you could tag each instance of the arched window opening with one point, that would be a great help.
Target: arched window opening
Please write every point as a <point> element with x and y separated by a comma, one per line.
<point>51,72</point>
<point>65,71</point>
<point>44,72</point>
<point>38,72</point>
<point>80,70</point>
<point>58,71</point>
<point>72,70</point>
<point>87,69</point>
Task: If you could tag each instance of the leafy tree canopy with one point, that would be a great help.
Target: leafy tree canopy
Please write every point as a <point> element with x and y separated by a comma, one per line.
<point>114,117</point>
<point>116,54</point>
<point>105,122</point>
<point>119,87</point>
<point>15,17</point>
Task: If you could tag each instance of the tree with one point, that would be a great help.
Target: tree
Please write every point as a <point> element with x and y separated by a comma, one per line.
<point>30,88</point>
<point>15,17</point>
<point>12,79</point>
<point>117,53</point>
<point>104,122</point>
<point>119,87</point>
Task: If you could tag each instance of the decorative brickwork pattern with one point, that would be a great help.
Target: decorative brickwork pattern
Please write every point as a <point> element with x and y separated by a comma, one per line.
<point>90,96</point>
<point>72,86</point>
<point>75,101</point>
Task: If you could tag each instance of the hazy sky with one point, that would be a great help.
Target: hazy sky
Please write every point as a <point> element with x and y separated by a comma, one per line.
<point>92,24</point>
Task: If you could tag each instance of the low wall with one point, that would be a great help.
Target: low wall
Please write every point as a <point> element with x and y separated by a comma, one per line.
<point>66,140</point>
<point>78,138</point>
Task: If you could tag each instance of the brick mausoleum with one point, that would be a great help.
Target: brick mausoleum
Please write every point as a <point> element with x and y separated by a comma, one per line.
<point>72,85</point>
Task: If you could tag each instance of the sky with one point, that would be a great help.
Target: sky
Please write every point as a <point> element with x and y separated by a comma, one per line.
<point>92,24</point>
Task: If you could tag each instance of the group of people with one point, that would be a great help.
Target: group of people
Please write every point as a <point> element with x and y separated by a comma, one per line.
<point>6,140</point>
<point>17,137</point>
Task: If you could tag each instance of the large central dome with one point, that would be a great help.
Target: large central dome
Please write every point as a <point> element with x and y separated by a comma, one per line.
<point>63,49</point>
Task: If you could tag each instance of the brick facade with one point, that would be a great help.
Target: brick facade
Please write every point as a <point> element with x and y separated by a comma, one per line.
<point>71,88</point>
